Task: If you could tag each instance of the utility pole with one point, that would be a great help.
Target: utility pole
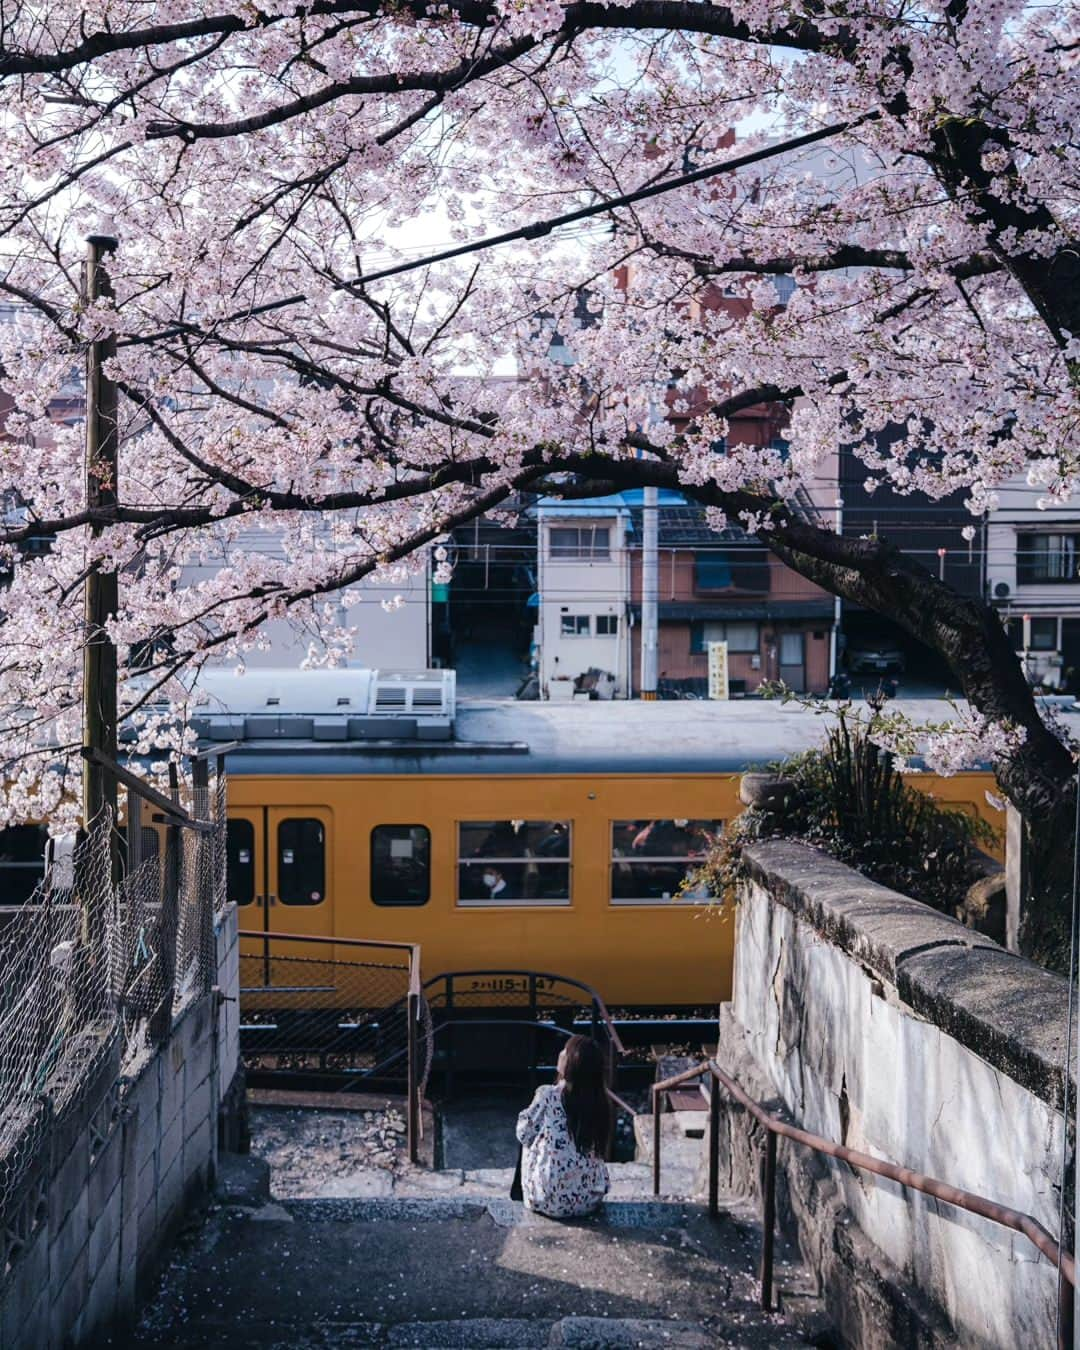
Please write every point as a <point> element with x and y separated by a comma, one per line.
<point>650,592</point>
<point>834,637</point>
<point>101,587</point>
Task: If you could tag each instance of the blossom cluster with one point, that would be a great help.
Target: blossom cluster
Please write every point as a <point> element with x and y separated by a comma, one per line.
<point>291,425</point>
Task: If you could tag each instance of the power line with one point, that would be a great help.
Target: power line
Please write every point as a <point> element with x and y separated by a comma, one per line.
<point>540,228</point>
<point>544,227</point>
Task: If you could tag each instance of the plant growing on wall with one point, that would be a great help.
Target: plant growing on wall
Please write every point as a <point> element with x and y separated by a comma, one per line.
<point>850,799</point>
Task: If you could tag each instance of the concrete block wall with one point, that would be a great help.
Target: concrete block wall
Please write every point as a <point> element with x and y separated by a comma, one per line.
<point>228,965</point>
<point>880,1023</point>
<point>124,1164</point>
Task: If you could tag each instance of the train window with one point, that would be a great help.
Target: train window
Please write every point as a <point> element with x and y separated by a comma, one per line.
<point>301,862</point>
<point>400,864</point>
<point>503,862</point>
<point>650,859</point>
<point>240,861</point>
<point>22,862</point>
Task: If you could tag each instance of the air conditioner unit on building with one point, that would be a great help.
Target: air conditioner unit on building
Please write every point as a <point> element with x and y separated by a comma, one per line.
<point>1001,590</point>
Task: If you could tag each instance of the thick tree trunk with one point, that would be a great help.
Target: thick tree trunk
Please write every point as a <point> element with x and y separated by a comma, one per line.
<point>1046,922</point>
<point>1038,775</point>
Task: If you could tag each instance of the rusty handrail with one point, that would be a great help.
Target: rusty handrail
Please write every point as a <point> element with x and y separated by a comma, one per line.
<point>329,941</point>
<point>683,1077</point>
<point>665,1086</point>
<point>1004,1215</point>
<point>595,998</point>
<point>623,1106</point>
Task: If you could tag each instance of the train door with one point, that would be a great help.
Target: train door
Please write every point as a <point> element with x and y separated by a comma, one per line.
<point>246,865</point>
<point>299,899</point>
<point>280,875</point>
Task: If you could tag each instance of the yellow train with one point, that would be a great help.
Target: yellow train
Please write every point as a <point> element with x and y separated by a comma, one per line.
<point>550,837</point>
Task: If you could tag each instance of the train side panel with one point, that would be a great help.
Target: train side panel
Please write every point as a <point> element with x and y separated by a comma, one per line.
<point>652,953</point>
<point>662,953</point>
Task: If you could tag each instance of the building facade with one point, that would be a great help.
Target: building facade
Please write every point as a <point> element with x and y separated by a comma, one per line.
<point>391,618</point>
<point>713,587</point>
<point>1033,579</point>
<point>583,594</point>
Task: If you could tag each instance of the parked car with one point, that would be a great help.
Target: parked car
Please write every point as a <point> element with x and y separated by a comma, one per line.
<point>875,658</point>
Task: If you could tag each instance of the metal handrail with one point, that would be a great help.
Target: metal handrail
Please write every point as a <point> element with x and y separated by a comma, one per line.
<point>594,997</point>
<point>543,1026</point>
<point>331,941</point>
<point>1004,1215</point>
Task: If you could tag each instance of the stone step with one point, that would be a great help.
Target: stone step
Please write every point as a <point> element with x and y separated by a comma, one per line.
<point>628,1181</point>
<point>495,1333</point>
<point>507,1213</point>
<point>461,1271</point>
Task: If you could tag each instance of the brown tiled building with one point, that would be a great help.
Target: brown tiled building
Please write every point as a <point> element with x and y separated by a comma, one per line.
<point>726,587</point>
<point>713,587</point>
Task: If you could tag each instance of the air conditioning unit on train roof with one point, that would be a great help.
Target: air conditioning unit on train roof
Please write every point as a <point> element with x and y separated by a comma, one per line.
<point>324,705</point>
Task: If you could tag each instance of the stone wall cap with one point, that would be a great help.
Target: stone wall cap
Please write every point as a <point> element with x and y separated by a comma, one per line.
<point>1003,1007</point>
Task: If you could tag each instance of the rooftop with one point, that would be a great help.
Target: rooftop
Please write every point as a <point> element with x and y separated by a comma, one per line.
<point>512,738</point>
<point>681,523</point>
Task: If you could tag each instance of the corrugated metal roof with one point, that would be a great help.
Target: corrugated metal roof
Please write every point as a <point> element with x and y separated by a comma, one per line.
<point>685,526</point>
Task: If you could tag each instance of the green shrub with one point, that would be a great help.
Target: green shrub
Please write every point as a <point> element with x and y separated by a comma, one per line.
<point>849,799</point>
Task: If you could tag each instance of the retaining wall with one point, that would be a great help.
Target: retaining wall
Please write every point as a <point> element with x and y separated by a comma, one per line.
<point>878,1022</point>
<point>125,1163</point>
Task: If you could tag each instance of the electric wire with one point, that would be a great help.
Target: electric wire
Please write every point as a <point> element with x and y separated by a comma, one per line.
<point>537,229</point>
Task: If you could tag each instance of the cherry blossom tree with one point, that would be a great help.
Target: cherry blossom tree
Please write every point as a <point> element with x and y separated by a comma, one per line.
<point>266,165</point>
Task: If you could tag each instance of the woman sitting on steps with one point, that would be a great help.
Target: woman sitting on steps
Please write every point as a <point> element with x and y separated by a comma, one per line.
<point>564,1133</point>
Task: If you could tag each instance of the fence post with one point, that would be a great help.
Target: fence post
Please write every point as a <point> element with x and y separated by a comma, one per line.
<point>609,1081</point>
<point>413,1105</point>
<point>1066,1315</point>
<point>204,881</point>
<point>450,1039</point>
<point>655,1142</point>
<point>768,1220</point>
<point>533,1056</point>
<point>714,1146</point>
<point>161,1025</point>
<point>134,832</point>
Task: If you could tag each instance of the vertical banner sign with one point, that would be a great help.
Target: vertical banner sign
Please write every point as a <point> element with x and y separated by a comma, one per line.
<point>718,670</point>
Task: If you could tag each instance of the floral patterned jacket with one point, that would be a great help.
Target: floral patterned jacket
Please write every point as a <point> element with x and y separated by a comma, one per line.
<point>557,1179</point>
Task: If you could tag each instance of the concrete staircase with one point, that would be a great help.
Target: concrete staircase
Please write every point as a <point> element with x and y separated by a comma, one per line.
<point>445,1259</point>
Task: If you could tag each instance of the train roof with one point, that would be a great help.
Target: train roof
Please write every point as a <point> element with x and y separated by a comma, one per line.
<point>507,737</point>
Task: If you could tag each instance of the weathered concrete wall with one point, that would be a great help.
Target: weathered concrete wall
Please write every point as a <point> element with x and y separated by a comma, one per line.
<point>880,1023</point>
<point>228,979</point>
<point>125,1162</point>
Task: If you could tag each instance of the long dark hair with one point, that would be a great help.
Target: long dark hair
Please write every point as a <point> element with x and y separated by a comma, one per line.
<point>585,1099</point>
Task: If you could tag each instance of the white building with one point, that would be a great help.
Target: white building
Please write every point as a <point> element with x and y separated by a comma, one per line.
<point>583,588</point>
<point>1033,577</point>
<point>391,618</point>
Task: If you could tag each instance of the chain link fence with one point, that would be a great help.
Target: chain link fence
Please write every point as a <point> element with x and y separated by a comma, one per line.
<point>116,940</point>
<point>312,1009</point>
